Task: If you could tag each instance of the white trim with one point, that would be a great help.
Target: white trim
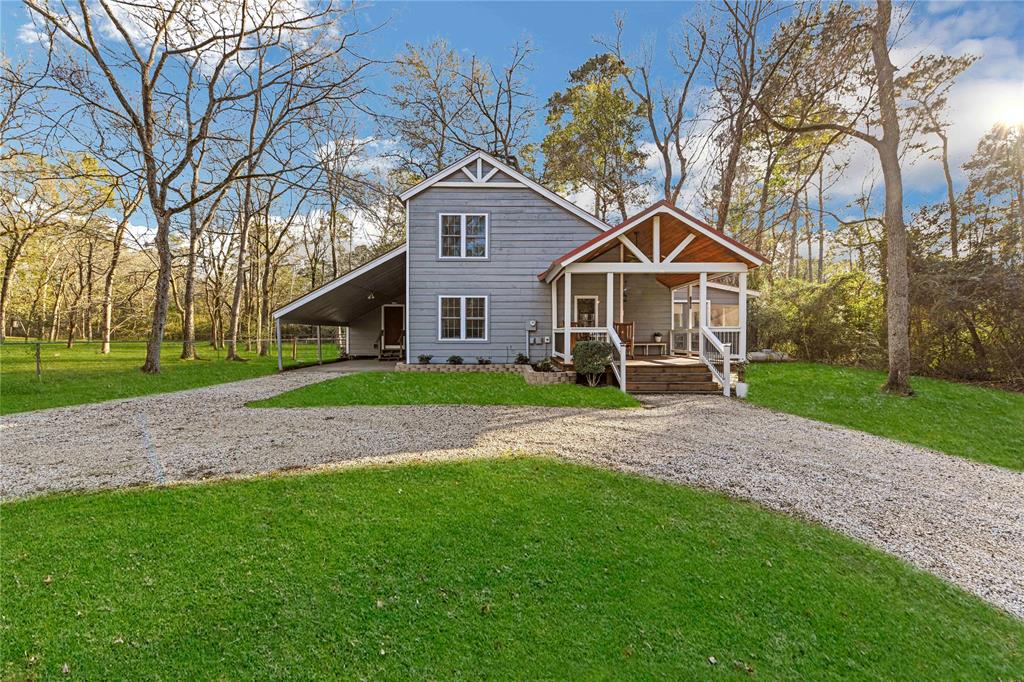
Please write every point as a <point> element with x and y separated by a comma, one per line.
<point>634,249</point>
<point>436,179</point>
<point>462,317</point>
<point>597,308</point>
<point>656,239</point>
<point>469,175</point>
<point>389,305</point>
<point>616,233</point>
<point>716,285</point>
<point>408,346</point>
<point>347,277</point>
<point>481,185</point>
<point>679,248</point>
<point>656,268</point>
<point>462,236</point>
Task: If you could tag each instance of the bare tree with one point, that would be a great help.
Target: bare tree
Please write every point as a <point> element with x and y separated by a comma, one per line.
<point>141,53</point>
<point>665,108</point>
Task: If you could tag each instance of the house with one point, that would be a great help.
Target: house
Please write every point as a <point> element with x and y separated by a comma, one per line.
<point>495,265</point>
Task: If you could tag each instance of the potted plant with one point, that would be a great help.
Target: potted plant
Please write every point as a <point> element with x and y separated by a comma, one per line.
<point>657,337</point>
<point>454,359</point>
<point>425,359</point>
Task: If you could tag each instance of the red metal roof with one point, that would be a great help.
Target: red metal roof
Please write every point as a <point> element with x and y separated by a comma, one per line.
<point>653,208</point>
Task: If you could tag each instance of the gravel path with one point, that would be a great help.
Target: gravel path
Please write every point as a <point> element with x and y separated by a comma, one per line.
<point>960,520</point>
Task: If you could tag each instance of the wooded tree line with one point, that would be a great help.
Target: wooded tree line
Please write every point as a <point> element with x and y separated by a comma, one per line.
<point>250,142</point>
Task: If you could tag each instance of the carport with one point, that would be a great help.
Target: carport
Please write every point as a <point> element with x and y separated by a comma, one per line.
<point>347,298</point>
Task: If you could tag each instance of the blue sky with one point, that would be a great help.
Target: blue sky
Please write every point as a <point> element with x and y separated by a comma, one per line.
<point>563,35</point>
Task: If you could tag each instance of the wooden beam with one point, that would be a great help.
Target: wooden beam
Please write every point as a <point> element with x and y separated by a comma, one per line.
<point>480,185</point>
<point>656,268</point>
<point>679,248</point>
<point>628,243</point>
<point>468,174</point>
<point>656,240</point>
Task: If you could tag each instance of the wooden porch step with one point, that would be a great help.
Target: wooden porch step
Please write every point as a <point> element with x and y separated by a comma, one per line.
<point>672,386</point>
<point>678,370</point>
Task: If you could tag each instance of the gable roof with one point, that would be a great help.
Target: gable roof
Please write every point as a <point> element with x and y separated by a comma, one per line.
<point>511,172</point>
<point>663,206</point>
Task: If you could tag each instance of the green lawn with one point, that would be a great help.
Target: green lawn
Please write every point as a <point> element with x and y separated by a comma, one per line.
<point>413,388</point>
<point>84,375</point>
<point>516,568</point>
<point>982,424</point>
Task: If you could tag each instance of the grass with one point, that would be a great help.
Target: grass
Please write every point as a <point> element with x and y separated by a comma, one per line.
<point>516,568</point>
<point>982,424</point>
<point>83,375</point>
<point>413,388</point>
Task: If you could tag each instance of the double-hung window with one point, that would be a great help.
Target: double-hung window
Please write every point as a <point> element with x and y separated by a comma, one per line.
<point>463,235</point>
<point>462,318</point>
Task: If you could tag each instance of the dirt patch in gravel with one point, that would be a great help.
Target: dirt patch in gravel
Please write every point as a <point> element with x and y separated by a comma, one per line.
<point>960,520</point>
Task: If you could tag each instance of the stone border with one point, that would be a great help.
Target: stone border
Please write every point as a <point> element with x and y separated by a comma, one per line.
<point>530,375</point>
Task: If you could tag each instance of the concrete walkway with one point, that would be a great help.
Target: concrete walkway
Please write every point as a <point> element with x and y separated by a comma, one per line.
<point>960,520</point>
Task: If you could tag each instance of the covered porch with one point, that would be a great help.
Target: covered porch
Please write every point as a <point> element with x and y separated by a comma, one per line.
<point>620,287</point>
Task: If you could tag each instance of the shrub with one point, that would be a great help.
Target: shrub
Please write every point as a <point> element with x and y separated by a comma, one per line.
<point>522,359</point>
<point>454,359</point>
<point>425,359</point>
<point>483,361</point>
<point>545,365</point>
<point>591,358</point>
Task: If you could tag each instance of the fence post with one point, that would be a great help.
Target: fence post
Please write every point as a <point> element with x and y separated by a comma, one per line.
<point>295,347</point>
<point>39,361</point>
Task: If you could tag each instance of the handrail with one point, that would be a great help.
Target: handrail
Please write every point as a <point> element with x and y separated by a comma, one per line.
<point>724,350</point>
<point>620,371</point>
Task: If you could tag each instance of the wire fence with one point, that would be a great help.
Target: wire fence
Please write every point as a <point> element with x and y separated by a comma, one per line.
<point>22,355</point>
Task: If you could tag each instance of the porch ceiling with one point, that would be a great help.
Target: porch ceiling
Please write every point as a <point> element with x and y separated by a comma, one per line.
<point>673,231</point>
<point>347,298</point>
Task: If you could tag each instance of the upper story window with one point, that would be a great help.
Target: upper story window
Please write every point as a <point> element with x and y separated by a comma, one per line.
<point>463,235</point>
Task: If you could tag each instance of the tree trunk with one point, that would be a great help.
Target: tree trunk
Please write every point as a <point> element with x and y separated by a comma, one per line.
<point>108,285</point>
<point>954,216</point>
<point>897,303</point>
<point>188,317</point>
<point>236,299</point>
<point>5,287</point>
<point>821,223</point>
<point>161,299</point>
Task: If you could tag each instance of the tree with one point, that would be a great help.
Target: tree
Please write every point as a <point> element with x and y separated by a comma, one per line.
<point>664,107</point>
<point>148,56</point>
<point>593,138</point>
<point>813,56</point>
<point>926,86</point>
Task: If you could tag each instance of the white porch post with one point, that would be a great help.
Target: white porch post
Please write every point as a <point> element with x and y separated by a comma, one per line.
<point>702,311</point>
<point>656,245</point>
<point>610,297</point>
<point>567,317</point>
<point>743,317</point>
<point>554,313</point>
<point>280,361</point>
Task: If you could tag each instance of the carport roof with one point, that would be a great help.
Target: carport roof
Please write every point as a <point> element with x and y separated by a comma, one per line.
<point>352,295</point>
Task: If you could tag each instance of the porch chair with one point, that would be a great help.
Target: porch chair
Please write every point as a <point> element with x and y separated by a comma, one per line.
<point>627,334</point>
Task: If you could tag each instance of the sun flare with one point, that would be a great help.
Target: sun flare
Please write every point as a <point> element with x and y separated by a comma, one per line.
<point>1009,110</point>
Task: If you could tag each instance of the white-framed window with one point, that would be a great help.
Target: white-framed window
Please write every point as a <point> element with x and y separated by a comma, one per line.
<point>462,318</point>
<point>463,235</point>
<point>585,311</point>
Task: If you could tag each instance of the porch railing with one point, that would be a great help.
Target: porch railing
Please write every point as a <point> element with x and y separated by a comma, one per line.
<point>688,340</point>
<point>618,358</point>
<point>588,333</point>
<point>716,355</point>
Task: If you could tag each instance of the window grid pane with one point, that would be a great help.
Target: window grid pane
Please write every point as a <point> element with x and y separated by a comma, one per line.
<point>451,236</point>
<point>476,312</point>
<point>476,236</point>
<point>451,314</point>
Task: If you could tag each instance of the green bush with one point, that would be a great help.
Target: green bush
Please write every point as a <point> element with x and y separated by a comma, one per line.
<point>545,365</point>
<point>482,360</point>
<point>425,359</point>
<point>522,359</point>
<point>454,359</point>
<point>591,358</point>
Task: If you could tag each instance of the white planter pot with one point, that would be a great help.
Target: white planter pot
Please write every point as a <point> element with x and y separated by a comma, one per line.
<point>741,389</point>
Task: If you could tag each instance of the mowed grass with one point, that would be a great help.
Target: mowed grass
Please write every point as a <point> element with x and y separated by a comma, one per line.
<point>414,388</point>
<point>514,569</point>
<point>83,375</point>
<point>986,425</point>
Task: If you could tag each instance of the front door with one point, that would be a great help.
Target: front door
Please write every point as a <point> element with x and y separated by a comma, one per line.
<point>394,319</point>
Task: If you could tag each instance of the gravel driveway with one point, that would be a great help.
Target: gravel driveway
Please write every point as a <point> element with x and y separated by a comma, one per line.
<point>960,520</point>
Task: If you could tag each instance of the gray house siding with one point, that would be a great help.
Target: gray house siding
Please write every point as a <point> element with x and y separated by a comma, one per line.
<point>363,331</point>
<point>526,232</point>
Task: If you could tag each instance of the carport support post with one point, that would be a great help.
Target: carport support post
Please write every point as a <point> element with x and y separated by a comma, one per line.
<point>280,360</point>
<point>319,354</point>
